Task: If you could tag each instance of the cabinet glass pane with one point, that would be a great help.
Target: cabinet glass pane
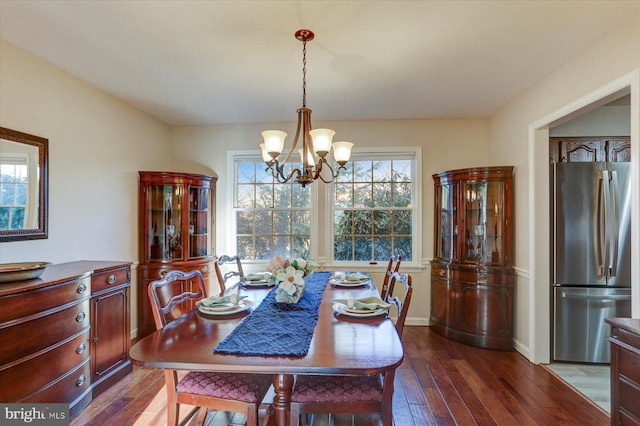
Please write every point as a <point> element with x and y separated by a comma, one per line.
<point>447,231</point>
<point>483,230</point>
<point>199,221</point>
<point>164,221</point>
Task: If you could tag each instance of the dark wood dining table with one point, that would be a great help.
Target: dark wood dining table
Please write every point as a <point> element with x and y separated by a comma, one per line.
<point>340,345</point>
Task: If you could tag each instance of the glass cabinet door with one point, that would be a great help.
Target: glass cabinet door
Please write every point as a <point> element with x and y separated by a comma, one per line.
<point>447,223</point>
<point>199,221</point>
<point>164,221</point>
<point>483,228</point>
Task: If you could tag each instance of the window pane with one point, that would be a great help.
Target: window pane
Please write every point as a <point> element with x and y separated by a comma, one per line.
<point>244,246</point>
<point>282,196</point>
<point>402,222</point>
<point>345,175</point>
<point>301,197</point>
<point>382,194</point>
<point>282,247</point>
<point>362,222</point>
<point>401,195</point>
<point>362,248</point>
<point>301,223</point>
<point>382,248</point>
<point>7,194</point>
<point>281,221</point>
<point>382,171</point>
<point>262,175</point>
<point>382,222</point>
<point>402,170</point>
<point>244,222</point>
<point>301,246</point>
<point>362,171</point>
<point>263,222</point>
<point>244,197</point>
<point>343,195</point>
<point>264,248</point>
<point>17,218</point>
<point>4,218</point>
<point>343,248</point>
<point>264,196</point>
<point>402,246</point>
<point>246,173</point>
<point>343,222</point>
<point>362,195</point>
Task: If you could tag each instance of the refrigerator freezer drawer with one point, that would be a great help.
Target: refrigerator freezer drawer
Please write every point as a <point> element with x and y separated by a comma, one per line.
<point>580,333</point>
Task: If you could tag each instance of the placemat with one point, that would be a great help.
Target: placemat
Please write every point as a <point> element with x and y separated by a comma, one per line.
<point>279,328</point>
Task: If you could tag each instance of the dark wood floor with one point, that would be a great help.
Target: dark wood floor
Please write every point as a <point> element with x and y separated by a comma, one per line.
<point>439,383</point>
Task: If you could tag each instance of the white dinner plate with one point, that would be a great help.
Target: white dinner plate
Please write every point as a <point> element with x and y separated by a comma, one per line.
<point>255,283</point>
<point>225,309</point>
<point>358,313</point>
<point>348,283</point>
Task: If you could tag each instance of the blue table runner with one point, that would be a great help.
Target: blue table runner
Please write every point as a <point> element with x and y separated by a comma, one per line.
<point>279,328</point>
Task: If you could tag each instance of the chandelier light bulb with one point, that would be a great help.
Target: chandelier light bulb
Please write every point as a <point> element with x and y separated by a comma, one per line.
<point>342,151</point>
<point>321,139</point>
<point>274,142</point>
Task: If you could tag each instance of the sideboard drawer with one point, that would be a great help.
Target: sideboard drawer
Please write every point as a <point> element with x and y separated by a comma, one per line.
<point>67,388</point>
<point>27,338</point>
<point>108,279</point>
<point>19,305</point>
<point>58,361</point>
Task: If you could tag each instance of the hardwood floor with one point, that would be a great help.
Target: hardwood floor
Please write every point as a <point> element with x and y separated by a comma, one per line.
<point>440,382</point>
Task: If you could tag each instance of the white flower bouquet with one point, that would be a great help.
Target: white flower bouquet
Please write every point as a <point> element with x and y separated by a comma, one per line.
<point>288,275</point>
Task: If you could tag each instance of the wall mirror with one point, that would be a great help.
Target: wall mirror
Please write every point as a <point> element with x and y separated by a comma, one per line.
<point>24,162</point>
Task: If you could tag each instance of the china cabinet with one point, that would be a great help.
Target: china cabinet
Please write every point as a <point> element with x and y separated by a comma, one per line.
<point>472,278</point>
<point>176,231</point>
<point>72,344</point>
<point>625,370</point>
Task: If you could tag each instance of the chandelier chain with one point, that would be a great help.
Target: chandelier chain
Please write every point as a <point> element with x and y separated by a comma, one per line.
<point>304,74</point>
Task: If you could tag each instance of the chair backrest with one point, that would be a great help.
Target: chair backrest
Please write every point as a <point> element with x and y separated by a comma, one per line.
<point>174,295</point>
<point>401,303</point>
<point>228,267</point>
<point>393,266</point>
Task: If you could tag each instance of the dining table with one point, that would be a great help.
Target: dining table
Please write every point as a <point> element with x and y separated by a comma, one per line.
<point>341,344</point>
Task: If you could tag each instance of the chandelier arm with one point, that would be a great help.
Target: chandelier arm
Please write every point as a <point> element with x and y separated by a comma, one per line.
<point>277,171</point>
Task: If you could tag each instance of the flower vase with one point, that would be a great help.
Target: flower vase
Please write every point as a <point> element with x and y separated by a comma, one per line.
<point>284,296</point>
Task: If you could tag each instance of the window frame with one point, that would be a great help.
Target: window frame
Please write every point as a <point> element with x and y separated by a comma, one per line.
<point>256,156</point>
<point>381,153</point>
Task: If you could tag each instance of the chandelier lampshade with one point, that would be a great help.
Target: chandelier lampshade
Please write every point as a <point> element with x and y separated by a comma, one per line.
<point>316,143</point>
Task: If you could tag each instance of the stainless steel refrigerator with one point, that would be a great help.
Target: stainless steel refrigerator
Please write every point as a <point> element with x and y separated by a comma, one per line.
<point>590,256</point>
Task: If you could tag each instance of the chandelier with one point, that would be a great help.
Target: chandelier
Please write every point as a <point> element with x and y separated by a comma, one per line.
<point>316,143</point>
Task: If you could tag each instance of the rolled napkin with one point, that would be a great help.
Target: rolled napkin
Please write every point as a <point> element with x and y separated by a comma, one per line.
<point>356,277</point>
<point>364,303</point>
<point>232,299</point>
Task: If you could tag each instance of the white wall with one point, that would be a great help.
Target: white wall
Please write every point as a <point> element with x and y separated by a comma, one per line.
<point>613,57</point>
<point>446,144</point>
<point>96,146</point>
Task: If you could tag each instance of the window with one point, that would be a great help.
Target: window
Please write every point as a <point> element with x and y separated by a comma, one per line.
<point>371,212</point>
<point>271,219</point>
<point>13,192</point>
<point>373,209</point>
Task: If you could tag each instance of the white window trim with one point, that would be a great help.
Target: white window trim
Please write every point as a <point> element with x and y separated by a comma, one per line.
<point>416,225</point>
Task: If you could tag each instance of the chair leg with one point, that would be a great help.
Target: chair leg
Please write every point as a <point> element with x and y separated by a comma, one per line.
<point>202,416</point>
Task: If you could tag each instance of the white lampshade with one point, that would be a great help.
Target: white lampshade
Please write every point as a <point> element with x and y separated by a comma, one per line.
<point>310,159</point>
<point>265,154</point>
<point>274,141</point>
<point>321,139</point>
<point>342,151</point>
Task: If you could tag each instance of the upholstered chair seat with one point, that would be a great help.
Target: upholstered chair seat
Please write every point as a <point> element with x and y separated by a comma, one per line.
<point>320,389</point>
<point>239,387</point>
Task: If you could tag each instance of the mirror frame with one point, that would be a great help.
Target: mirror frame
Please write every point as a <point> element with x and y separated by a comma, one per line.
<point>42,145</point>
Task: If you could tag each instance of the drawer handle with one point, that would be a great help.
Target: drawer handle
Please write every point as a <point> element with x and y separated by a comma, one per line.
<point>81,347</point>
<point>442,272</point>
<point>111,279</point>
<point>163,273</point>
<point>80,317</point>
<point>482,278</point>
<point>81,380</point>
<point>81,288</point>
<point>205,269</point>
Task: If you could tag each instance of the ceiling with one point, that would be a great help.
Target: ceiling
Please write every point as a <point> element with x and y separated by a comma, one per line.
<point>211,62</point>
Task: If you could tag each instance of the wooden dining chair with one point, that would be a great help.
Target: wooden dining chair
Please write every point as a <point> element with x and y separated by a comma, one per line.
<point>352,394</point>
<point>393,266</point>
<point>228,267</point>
<point>171,297</point>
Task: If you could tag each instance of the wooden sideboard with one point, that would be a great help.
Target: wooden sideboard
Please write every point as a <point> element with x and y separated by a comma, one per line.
<point>625,371</point>
<point>65,336</point>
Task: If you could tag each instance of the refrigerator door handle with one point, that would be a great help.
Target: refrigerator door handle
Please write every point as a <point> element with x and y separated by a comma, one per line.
<point>601,232</point>
<point>612,226</point>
